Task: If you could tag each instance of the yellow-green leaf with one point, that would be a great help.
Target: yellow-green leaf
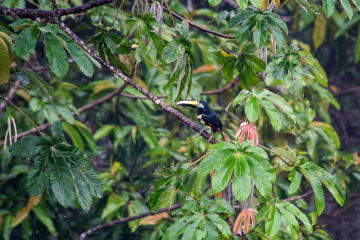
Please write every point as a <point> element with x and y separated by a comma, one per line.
<point>319,30</point>
<point>4,62</point>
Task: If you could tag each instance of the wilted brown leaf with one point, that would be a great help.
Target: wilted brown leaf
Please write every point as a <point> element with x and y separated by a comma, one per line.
<point>264,4</point>
<point>33,201</point>
<point>276,3</point>
<point>205,68</point>
<point>319,30</point>
<point>152,220</point>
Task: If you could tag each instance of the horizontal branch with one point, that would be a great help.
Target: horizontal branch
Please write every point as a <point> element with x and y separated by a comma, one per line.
<point>38,13</point>
<point>128,219</point>
<point>139,97</point>
<point>221,90</point>
<point>197,26</point>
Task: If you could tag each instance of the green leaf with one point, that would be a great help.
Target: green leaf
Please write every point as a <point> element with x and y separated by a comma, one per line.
<point>220,224</point>
<point>256,64</point>
<point>28,146</point>
<point>223,174</point>
<point>293,224</point>
<point>85,132</point>
<point>21,24</point>
<point>212,161</point>
<point>256,3</point>
<point>103,131</point>
<point>278,21</point>
<point>26,41</point>
<point>149,137</point>
<point>214,2</point>
<point>222,16</point>
<point>298,214</point>
<point>172,51</point>
<point>316,185</point>
<point>245,30</point>
<point>357,47</point>
<point>6,227</point>
<point>5,62</point>
<point>261,179</point>
<point>228,69</point>
<point>272,226</point>
<point>272,113</point>
<point>241,185</point>
<point>74,135</point>
<point>76,52</point>
<point>44,218</point>
<point>237,19</point>
<point>56,128</point>
<point>329,7</point>
<point>276,31</point>
<point>263,212</point>
<point>252,109</point>
<point>190,230</point>
<point>319,30</point>
<point>113,204</point>
<point>173,232</point>
<point>66,114</point>
<point>295,178</point>
<point>56,55</point>
<point>39,174</point>
<point>260,32</point>
<point>33,81</point>
<point>61,183</point>
<point>93,181</point>
<point>242,97</point>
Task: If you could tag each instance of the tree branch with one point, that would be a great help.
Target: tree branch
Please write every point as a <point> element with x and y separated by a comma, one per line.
<point>127,219</point>
<point>10,95</point>
<point>117,73</point>
<point>221,90</point>
<point>38,13</point>
<point>197,26</point>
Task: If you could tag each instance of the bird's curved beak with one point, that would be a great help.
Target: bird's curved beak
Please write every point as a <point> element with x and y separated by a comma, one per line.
<point>188,103</point>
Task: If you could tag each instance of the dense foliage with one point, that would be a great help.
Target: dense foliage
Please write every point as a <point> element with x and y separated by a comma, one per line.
<point>85,155</point>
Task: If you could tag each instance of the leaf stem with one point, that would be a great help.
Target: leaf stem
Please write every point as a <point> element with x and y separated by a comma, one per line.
<point>4,99</point>
<point>170,14</point>
<point>265,148</point>
<point>199,159</point>
<point>119,10</point>
<point>261,234</point>
<point>277,10</point>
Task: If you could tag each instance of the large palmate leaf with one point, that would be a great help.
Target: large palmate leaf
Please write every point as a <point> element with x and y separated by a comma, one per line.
<point>166,188</point>
<point>246,65</point>
<point>260,21</point>
<point>26,41</point>
<point>270,101</point>
<point>201,220</point>
<point>242,162</point>
<point>67,168</point>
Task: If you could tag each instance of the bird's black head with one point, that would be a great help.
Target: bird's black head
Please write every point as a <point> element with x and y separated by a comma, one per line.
<point>203,107</point>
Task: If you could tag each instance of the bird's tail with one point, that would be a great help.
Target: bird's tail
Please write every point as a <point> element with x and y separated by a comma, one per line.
<point>222,135</point>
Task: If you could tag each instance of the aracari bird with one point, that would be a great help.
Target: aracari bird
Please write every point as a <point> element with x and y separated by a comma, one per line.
<point>205,115</point>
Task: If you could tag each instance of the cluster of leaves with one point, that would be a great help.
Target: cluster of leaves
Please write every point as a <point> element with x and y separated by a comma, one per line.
<point>166,188</point>
<point>6,57</point>
<point>65,166</point>
<point>314,174</point>
<point>202,219</point>
<point>246,64</point>
<point>278,213</point>
<point>179,51</point>
<point>269,101</point>
<point>242,161</point>
<point>56,41</point>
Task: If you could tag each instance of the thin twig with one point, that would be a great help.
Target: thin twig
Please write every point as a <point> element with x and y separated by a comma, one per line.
<point>117,13</point>
<point>221,90</point>
<point>22,113</point>
<point>261,234</point>
<point>172,19</point>
<point>199,160</point>
<point>251,192</point>
<point>265,148</point>
<point>10,95</point>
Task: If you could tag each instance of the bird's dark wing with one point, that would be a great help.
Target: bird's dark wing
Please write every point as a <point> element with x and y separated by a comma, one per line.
<point>213,121</point>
